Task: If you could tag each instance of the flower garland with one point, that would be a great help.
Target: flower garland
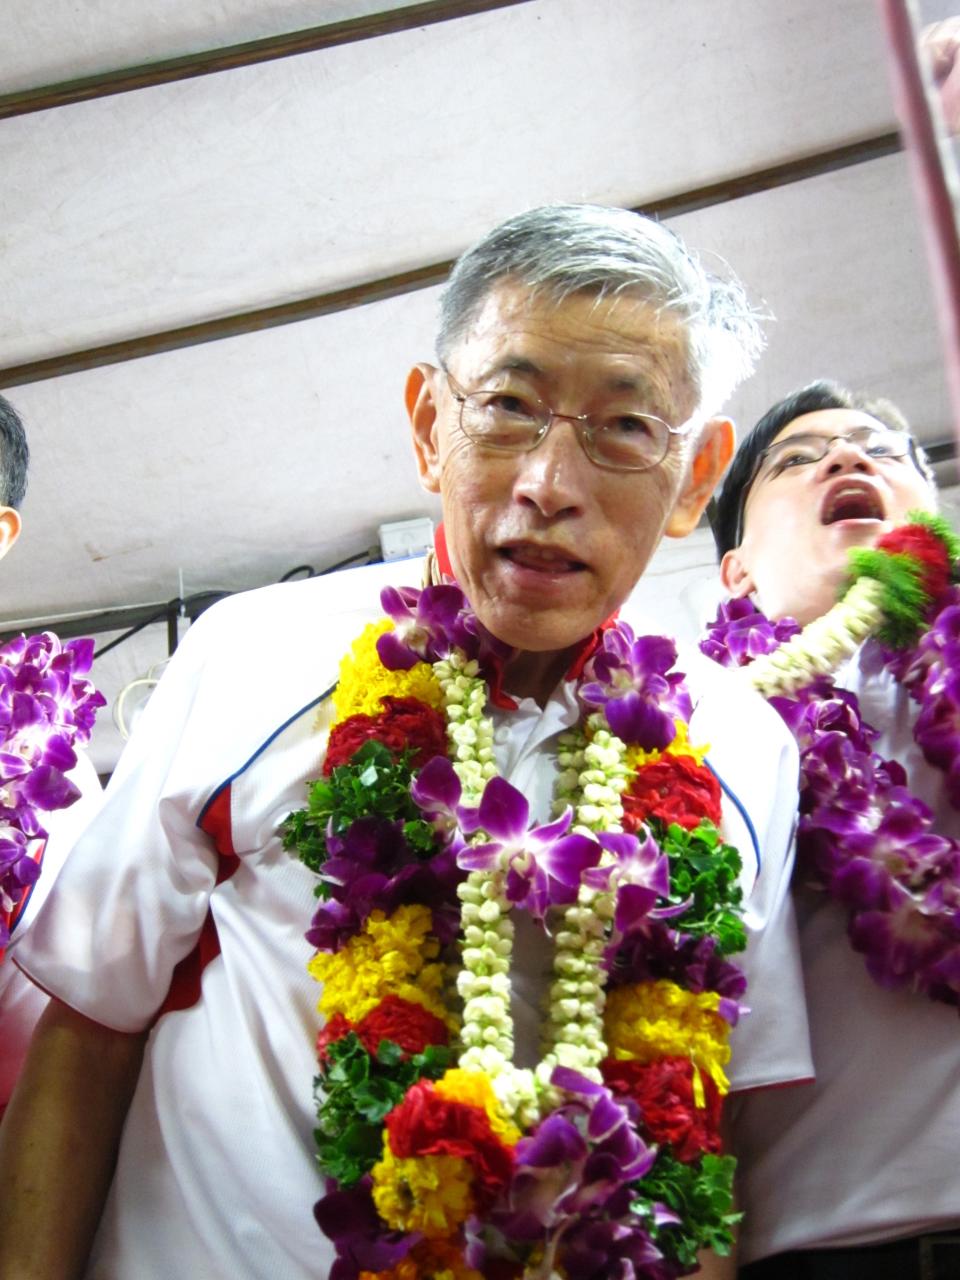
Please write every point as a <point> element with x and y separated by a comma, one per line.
<point>442,1158</point>
<point>863,837</point>
<point>46,707</point>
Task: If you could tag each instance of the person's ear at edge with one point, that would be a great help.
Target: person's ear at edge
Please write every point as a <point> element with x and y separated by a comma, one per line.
<point>715,448</point>
<point>736,577</point>
<point>10,526</point>
<point>420,397</point>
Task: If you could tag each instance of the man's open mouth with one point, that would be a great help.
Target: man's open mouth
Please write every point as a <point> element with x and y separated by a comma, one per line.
<point>851,502</point>
<point>544,559</point>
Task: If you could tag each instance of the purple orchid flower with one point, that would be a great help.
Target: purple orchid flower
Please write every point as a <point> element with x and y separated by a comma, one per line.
<point>628,678</point>
<point>615,1249</point>
<point>436,791</point>
<point>740,633</point>
<point>371,867</point>
<point>424,623</point>
<point>46,706</point>
<point>656,951</point>
<point>349,1218</point>
<point>641,874</point>
<point>430,624</point>
<point>575,1170</point>
<point>543,864</point>
<point>898,944</point>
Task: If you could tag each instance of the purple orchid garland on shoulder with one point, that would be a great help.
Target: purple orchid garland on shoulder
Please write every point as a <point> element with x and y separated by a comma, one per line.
<point>863,837</point>
<point>47,706</point>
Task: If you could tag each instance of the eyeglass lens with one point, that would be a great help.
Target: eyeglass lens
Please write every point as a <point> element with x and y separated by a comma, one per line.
<point>630,441</point>
<point>800,449</point>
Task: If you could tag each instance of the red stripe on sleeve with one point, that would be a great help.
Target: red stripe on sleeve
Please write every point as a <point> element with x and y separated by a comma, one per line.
<point>185,983</point>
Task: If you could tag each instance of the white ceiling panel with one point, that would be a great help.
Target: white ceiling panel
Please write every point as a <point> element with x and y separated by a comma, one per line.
<point>180,203</point>
<point>839,262</point>
<point>47,41</point>
<point>233,461</point>
<point>229,463</point>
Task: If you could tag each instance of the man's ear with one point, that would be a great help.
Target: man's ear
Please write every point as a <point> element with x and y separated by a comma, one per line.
<point>736,577</point>
<point>714,451</point>
<point>420,398</point>
<point>10,526</point>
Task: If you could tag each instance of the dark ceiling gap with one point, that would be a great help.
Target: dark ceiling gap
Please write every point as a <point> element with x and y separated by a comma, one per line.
<point>369,26</point>
<point>378,290</point>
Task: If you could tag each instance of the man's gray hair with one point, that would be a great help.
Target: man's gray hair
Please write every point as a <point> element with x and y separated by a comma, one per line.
<point>563,249</point>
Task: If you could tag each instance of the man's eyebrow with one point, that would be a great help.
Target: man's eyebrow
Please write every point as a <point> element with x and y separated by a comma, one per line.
<point>511,364</point>
<point>523,364</point>
<point>632,382</point>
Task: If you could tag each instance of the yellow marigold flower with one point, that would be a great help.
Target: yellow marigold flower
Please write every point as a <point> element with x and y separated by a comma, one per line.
<point>428,1260</point>
<point>430,1194</point>
<point>395,956</point>
<point>680,746</point>
<point>474,1089</point>
<point>652,1020</point>
<point>364,680</point>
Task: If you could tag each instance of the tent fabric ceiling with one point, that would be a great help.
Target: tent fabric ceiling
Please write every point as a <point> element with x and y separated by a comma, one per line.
<point>224,465</point>
<point>62,40</point>
<point>237,190</point>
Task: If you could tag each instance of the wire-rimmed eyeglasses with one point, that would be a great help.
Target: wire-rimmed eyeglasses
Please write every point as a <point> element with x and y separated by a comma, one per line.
<point>804,448</point>
<point>516,422</point>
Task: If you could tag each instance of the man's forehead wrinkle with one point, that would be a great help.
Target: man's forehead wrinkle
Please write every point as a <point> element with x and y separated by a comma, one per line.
<point>635,344</point>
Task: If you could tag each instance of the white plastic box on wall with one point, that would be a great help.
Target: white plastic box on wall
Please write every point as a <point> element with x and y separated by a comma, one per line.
<point>402,538</point>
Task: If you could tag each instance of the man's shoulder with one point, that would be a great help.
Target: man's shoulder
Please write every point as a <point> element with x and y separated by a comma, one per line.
<point>248,666</point>
<point>303,612</point>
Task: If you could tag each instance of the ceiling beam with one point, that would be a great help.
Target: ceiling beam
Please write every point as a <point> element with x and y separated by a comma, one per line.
<point>211,61</point>
<point>378,290</point>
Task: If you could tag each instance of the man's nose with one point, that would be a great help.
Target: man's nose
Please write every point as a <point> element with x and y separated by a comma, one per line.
<point>845,455</point>
<point>553,476</point>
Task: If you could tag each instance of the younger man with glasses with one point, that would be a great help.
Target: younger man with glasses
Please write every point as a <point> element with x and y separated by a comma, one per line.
<point>853,1176</point>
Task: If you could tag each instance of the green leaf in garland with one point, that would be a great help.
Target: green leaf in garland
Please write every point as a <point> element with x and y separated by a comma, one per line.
<point>372,784</point>
<point>904,599</point>
<point>706,870</point>
<point>355,1092</point>
<point>701,1194</point>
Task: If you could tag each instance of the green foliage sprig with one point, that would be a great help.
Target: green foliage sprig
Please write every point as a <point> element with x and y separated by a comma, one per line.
<point>701,1195</point>
<point>373,784</point>
<point>354,1094</point>
<point>706,870</point>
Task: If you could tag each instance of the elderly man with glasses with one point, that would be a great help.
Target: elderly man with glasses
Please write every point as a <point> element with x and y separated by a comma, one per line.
<point>570,422</point>
<point>852,1176</point>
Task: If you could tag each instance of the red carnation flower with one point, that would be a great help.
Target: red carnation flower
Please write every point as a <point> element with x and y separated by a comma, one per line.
<point>673,789</point>
<point>334,1029</point>
<point>426,1124</point>
<point>668,1112</point>
<point>405,724</point>
<point>407,1024</point>
<point>922,545</point>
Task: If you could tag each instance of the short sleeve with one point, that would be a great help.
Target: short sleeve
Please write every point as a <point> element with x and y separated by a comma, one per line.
<point>132,897</point>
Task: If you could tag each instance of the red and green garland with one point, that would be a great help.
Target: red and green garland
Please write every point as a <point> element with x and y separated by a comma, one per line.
<point>442,1158</point>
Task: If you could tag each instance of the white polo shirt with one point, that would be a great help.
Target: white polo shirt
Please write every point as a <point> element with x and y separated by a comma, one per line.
<point>217,1176</point>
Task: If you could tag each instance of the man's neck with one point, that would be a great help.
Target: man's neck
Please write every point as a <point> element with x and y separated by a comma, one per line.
<point>536,675</point>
